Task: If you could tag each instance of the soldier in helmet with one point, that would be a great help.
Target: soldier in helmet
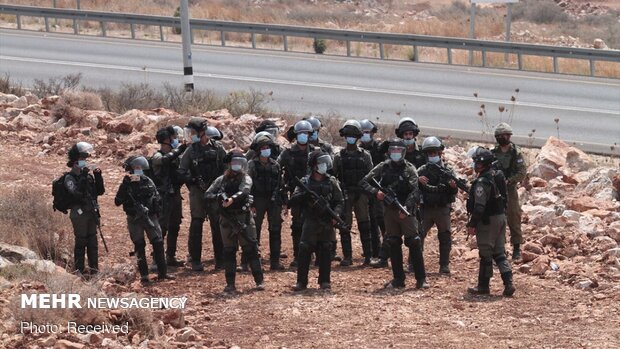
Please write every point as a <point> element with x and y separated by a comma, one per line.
<point>165,170</point>
<point>314,137</point>
<point>351,164</point>
<point>266,177</point>
<point>408,130</point>
<point>488,221</point>
<point>377,225</point>
<point>84,187</point>
<point>142,204</point>
<point>294,163</point>
<point>232,194</point>
<point>200,165</point>
<point>438,193</point>
<point>400,176</point>
<point>266,127</point>
<point>318,231</point>
<point>510,160</point>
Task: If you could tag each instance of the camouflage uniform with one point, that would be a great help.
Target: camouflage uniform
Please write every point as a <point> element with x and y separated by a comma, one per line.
<point>377,225</point>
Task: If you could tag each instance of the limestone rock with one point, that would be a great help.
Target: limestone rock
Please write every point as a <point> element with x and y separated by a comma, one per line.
<point>540,265</point>
<point>187,334</point>
<point>65,344</point>
<point>16,254</point>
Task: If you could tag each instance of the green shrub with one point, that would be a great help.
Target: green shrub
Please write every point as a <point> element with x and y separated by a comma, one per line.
<point>319,46</point>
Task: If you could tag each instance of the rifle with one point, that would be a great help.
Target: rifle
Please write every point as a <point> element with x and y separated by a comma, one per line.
<point>391,198</point>
<point>97,219</point>
<point>461,183</point>
<point>142,212</point>
<point>241,227</point>
<point>320,201</point>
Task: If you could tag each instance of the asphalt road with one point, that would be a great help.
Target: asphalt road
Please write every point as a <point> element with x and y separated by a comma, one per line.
<point>440,98</point>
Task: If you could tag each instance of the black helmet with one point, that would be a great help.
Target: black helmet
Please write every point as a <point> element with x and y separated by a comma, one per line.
<point>483,156</point>
<point>406,124</point>
<point>269,126</point>
<point>163,134</point>
<point>351,128</point>
<point>368,125</point>
<point>197,124</point>
<point>235,157</point>
<point>318,157</point>
<point>394,145</point>
<point>136,160</point>
<point>214,133</point>
<point>315,122</point>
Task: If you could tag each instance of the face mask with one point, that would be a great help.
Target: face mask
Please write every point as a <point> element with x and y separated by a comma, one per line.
<point>235,167</point>
<point>265,153</point>
<point>434,159</point>
<point>302,138</point>
<point>315,135</point>
<point>409,141</point>
<point>81,163</point>
<point>502,141</point>
<point>175,143</point>
<point>366,138</point>
<point>195,139</point>
<point>396,156</point>
<point>321,168</point>
<point>351,140</point>
<point>138,172</point>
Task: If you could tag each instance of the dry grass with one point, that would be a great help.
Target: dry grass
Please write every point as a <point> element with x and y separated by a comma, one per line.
<point>10,86</point>
<point>27,219</point>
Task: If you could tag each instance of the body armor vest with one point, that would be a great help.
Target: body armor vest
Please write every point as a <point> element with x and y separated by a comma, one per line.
<point>298,163</point>
<point>266,178</point>
<point>353,168</point>
<point>496,203</point>
<point>393,177</point>
<point>205,162</point>
<point>435,178</point>
<point>416,157</point>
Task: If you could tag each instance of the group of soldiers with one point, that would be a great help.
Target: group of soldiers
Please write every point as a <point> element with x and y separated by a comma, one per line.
<point>398,189</point>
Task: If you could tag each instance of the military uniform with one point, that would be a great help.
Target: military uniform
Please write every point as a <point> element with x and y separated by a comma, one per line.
<point>403,179</point>
<point>84,189</point>
<point>267,192</point>
<point>377,225</point>
<point>436,198</point>
<point>143,192</point>
<point>317,231</point>
<point>165,169</point>
<point>514,168</point>
<point>200,166</point>
<point>415,156</point>
<point>294,163</point>
<point>237,225</point>
<point>350,167</point>
<point>486,207</point>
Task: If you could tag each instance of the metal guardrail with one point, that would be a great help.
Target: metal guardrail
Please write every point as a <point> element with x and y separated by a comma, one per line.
<point>348,36</point>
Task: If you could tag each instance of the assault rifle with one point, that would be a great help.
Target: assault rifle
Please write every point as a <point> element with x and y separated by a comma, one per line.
<point>461,183</point>
<point>320,202</point>
<point>391,198</point>
<point>239,226</point>
<point>142,212</point>
<point>98,219</point>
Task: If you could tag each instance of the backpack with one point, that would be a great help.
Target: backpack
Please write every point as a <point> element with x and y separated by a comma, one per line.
<point>62,199</point>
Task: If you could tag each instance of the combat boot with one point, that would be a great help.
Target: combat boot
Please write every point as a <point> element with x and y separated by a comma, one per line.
<point>422,284</point>
<point>516,253</point>
<point>325,286</point>
<point>395,284</point>
<point>483,280</point>
<point>347,250</point>
<point>379,263</point>
<point>300,287</point>
<point>276,266</point>
<point>160,260</point>
<point>444,269</point>
<point>509,287</point>
<point>173,262</point>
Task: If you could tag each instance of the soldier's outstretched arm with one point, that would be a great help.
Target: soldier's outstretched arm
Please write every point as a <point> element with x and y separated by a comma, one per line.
<point>185,166</point>
<point>366,182</point>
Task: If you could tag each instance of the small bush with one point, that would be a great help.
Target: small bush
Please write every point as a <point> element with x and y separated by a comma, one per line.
<point>411,55</point>
<point>539,11</point>
<point>71,104</point>
<point>56,85</point>
<point>319,46</point>
<point>177,13</point>
<point>27,219</point>
<point>10,86</point>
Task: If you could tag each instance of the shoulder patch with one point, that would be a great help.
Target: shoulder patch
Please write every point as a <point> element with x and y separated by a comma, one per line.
<point>479,191</point>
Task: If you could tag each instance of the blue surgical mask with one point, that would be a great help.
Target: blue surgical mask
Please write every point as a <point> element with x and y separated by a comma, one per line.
<point>175,143</point>
<point>235,167</point>
<point>81,163</point>
<point>138,172</point>
<point>195,139</point>
<point>396,156</point>
<point>302,138</point>
<point>315,136</point>
<point>321,168</point>
<point>351,140</point>
<point>265,153</point>
<point>366,137</point>
<point>409,141</point>
<point>434,159</point>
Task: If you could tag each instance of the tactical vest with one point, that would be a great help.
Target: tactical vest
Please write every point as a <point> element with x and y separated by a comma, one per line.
<point>297,165</point>
<point>230,186</point>
<point>512,166</point>
<point>416,157</point>
<point>206,163</point>
<point>143,192</point>
<point>375,153</point>
<point>353,168</point>
<point>434,199</point>
<point>168,177</point>
<point>265,179</point>
<point>496,204</point>
<point>394,177</point>
<point>323,188</point>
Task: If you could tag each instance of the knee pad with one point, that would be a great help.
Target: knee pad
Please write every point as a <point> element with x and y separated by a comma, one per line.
<point>139,249</point>
<point>392,241</point>
<point>413,241</point>
<point>324,245</point>
<point>250,251</point>
<point>444,236</point>
<point>305,247</point>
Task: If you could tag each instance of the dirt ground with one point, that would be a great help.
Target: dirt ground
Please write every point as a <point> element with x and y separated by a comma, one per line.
<point>357,312</point>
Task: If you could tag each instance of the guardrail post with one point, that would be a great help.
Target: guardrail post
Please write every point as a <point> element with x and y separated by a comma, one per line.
<point>223,37</point>
<point>348,48</point>
<point>47,24</point>
<point>132,27</point>
<point>161,33</point>
<point>191,36</point>
<point>381,50</point>
<point>253,40</point>
<point>592,67</point>
<point>555,64</point>
<point>75,27</point>
<point>285,40</point>
<point>103,33</point>
<point>18,19</point>
<point>520,61</point>
<point>415,54</point>
<point>484,58</point>
<point>449,56</point>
